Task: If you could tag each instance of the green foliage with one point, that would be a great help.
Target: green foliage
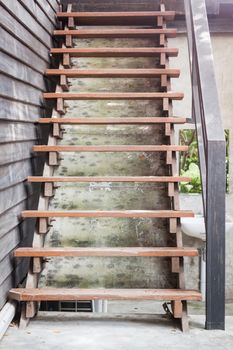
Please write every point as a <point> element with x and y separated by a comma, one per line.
<point>189,162</point>
<point>195,185</point>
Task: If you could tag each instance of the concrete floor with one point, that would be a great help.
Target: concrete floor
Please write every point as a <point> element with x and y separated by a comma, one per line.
<point>66,331</point>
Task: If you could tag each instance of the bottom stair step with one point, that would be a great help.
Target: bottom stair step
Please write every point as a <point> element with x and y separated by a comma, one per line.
<point>50,294</point>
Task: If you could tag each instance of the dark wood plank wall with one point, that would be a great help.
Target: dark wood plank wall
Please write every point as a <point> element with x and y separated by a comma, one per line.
<point>25,38</point>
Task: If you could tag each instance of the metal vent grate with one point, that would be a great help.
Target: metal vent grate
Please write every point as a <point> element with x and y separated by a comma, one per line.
<point>67,306</point>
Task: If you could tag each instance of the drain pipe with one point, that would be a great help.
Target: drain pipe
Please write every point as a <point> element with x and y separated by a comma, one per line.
<point>6,316</point>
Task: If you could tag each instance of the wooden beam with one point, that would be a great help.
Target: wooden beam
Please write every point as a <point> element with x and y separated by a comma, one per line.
<point>147,179</point>
<point>49,294</point>
<point>116,33</point>
<point>114,73</point>
<point>107,213</point>
<point>105,251</point>
<point>137,120</point>
<point>115,52</point>
<point>110,148</point>
<point>114,95</point>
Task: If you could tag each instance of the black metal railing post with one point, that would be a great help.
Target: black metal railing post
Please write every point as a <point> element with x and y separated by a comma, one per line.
<point>212,156</point>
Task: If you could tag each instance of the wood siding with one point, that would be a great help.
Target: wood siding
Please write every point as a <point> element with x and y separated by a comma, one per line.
<point>25,39</point>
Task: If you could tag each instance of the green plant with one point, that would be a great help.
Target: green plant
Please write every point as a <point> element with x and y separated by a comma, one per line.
<point>189,162</point>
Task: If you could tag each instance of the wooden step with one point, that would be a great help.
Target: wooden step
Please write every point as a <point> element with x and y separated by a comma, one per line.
<point>50,294</point>
<point>138,120</point>
<point>115,52</point>
<point>129,251</point>
<point>116,18</point>
<point>115,95</point>
<point>116,33</point>
<point>147,179</point>
<point>110,148</point>
<point>114,73</point>
<point>107,213</point>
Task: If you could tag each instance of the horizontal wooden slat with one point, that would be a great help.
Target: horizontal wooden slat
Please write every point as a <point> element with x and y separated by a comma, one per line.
<point>21,52</point>
<point>115,52</point>
<point>109,179</point>
<point>15,173</point>
<point>21,14</point>
<point>107,213</point>
<point>17,70</point>
<point>121,17</point>
<point>19,91</point>
<point>15,151</point>
<point>14,278</point>
<point>12,196</point>
<point>104,251</point>
<point>138,120</point>
<point>12,218</point>
<point>12,132</point>
<point>11,240</point>
<point>22,34</point>
<point>115,95</point>
<point>110,148</point>
<point>115,33</point>
<point>18,111</point>
<point>114,73</point>
<point>42,294</point>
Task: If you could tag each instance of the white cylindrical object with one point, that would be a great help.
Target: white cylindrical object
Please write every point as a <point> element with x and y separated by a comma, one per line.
<point>105,306</point>
<point>99,305</point>
<point>6,316</point>
<point>203,273</point>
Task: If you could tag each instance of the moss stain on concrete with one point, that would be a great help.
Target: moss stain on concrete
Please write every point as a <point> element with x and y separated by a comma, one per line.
<point>90,232</point>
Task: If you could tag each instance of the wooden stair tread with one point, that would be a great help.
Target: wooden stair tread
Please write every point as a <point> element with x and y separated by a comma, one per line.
<point>114,95</point>
<point>121,251</point>
<point>108,213</point>
<point>110,148</point>
<point>49,294</point>
<point>115,52</point>
<point>114,73</point>
<point>147,179</point>
<point>115,33</point>
<point>117,17</point>
<point>130,120</point>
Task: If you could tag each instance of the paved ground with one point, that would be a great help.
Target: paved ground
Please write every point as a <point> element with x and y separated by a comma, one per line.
<point>91,332</point>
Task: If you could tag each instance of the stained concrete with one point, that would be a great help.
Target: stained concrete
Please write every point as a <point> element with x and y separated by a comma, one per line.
<point>125,332</point>
<point>111,232</point>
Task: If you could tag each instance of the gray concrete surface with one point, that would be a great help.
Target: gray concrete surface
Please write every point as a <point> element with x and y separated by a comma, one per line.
<point>138,332</point>
<point>111,272</point>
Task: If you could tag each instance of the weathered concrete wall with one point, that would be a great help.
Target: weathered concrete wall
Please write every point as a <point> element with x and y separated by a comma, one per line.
<point>223,52</point>
<point>122,5</point>
<point>136,5</point>
<point>108,232</point>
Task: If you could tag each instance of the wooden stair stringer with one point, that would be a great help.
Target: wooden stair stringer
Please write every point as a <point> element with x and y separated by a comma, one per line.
<point>179,308</point>
<point>29,309</point>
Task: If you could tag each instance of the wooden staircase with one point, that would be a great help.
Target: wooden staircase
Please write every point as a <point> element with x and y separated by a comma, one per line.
<point>153,26</point>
